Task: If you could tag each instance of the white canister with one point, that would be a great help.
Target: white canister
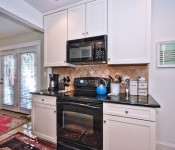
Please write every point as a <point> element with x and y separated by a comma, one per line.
<point>133,87</point>
<point>115,88</point>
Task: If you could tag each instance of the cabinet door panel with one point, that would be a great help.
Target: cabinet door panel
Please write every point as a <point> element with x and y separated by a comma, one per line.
<point>41,116</point>
<point>55,36</point>
<point>129,31</point>
<point>128,134</point>
<point>76,22</point>
<point>96,18</point>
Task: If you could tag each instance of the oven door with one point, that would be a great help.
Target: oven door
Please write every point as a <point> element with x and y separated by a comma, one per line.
<point>79,125</point>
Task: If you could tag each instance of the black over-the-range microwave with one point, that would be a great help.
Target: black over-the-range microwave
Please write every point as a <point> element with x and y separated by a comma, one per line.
<point>87,50</point>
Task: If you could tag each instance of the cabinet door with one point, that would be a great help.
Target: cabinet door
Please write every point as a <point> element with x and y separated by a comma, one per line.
<point>121,133</point>
<point>44,121</point>
<point>55,37</point>
<point>129,24</point>
<point>76,22</point>
<point>96,18</point>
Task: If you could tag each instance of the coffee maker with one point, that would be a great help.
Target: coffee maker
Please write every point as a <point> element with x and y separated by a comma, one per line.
<point>54,82</point>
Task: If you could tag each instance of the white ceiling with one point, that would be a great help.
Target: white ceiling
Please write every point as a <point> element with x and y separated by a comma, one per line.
<point>47,5</point>
<point>10,27</point>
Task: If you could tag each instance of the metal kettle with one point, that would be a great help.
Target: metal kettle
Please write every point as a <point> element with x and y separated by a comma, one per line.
<point>101,87</point>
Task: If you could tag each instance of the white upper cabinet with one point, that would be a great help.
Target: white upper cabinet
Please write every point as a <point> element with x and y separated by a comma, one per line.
<point>96,18</point>
<point>129,23</point>
<point>87,20</point>
<point>76,22</point>
<point>55,37</point>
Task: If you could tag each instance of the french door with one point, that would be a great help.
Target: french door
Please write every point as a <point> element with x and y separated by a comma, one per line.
<point>18,77</point>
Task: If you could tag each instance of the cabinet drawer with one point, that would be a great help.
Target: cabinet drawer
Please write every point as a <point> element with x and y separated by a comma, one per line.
<point>137,112</point>
<point>49,100</point>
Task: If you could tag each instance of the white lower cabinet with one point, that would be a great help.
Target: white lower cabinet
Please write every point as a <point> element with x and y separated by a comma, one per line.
<point>44,117</point>
<point>124,130</point>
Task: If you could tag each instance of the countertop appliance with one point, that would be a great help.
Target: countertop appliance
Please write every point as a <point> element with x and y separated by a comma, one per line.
<point>54,82</point>
<point>87,50</point>
<point>80,116</point>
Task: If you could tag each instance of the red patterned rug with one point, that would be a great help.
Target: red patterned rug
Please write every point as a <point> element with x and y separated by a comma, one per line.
<point>20,141</point>
<point>8,123</point>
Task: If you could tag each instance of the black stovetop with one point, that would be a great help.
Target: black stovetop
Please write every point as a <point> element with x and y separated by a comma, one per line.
<point>84,96</point>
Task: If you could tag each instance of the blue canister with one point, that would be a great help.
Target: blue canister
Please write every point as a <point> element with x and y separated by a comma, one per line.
<point>101,89</point>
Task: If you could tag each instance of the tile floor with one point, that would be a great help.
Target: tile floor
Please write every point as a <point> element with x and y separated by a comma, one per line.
<point>26,129</point>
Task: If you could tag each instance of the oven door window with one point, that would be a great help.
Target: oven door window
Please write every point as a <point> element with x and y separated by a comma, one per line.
<point>80,124</point>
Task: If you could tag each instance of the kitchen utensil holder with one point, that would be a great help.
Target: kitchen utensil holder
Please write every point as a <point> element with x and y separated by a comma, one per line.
<point>115,88</point>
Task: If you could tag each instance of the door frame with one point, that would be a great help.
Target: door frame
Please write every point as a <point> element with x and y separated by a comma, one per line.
<point>16,49</point>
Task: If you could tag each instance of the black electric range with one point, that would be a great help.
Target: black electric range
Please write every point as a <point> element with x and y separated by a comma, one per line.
<point>85,90</point>
<point>80,116</point>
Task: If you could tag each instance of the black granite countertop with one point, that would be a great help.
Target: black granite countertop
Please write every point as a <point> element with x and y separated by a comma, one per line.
<point>47,93</point>
<point>144,101</point>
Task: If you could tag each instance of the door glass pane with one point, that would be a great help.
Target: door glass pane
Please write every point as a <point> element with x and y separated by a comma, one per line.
<point>8,80</point>
<point>27,79</point>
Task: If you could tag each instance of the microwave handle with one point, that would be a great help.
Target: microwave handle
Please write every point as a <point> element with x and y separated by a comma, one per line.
<point>78,104</point>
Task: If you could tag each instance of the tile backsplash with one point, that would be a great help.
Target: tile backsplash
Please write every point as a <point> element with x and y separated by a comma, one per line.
<point>133,71</point>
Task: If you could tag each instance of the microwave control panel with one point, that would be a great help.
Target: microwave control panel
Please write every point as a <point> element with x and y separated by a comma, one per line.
<point>100,53</point>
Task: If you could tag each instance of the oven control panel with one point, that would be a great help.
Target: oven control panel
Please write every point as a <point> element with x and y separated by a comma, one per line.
<point>89,81</point>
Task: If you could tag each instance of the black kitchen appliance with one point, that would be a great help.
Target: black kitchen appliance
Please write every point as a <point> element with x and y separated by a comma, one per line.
<point>54,82</point>
<point>80,116</point>
<point>88,50</point>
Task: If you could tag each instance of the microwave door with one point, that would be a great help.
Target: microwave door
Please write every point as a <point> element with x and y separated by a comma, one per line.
<point>86,52</point>
<point>75,53</point>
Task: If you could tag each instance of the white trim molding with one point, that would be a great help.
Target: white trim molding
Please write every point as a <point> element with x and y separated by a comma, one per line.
<point>23,12</point>
<point>165,146</point>
<point>16,46</point>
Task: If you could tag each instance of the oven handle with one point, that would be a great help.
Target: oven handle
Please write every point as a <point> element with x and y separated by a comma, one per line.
<point>76,104</point>
<point>66,146</point>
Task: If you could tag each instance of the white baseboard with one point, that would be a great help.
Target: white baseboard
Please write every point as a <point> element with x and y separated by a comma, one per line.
<point>164,146</point>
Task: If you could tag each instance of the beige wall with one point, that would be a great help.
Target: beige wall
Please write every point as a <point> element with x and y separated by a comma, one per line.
<point>27,37</point>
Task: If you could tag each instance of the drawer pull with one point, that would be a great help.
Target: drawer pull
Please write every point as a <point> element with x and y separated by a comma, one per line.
<point>54,111</point>
<point>104,121</point>
<point>126,112</point>
<point>42,99</point>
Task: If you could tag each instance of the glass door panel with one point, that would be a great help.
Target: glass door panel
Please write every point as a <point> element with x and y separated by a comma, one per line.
<point>27,79</point>
<point>8,76</point>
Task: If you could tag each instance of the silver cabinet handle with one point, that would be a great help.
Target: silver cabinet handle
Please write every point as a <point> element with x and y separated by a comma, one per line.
<point>87,33</point>
<point>42,99</point>
<point>83,33</point>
